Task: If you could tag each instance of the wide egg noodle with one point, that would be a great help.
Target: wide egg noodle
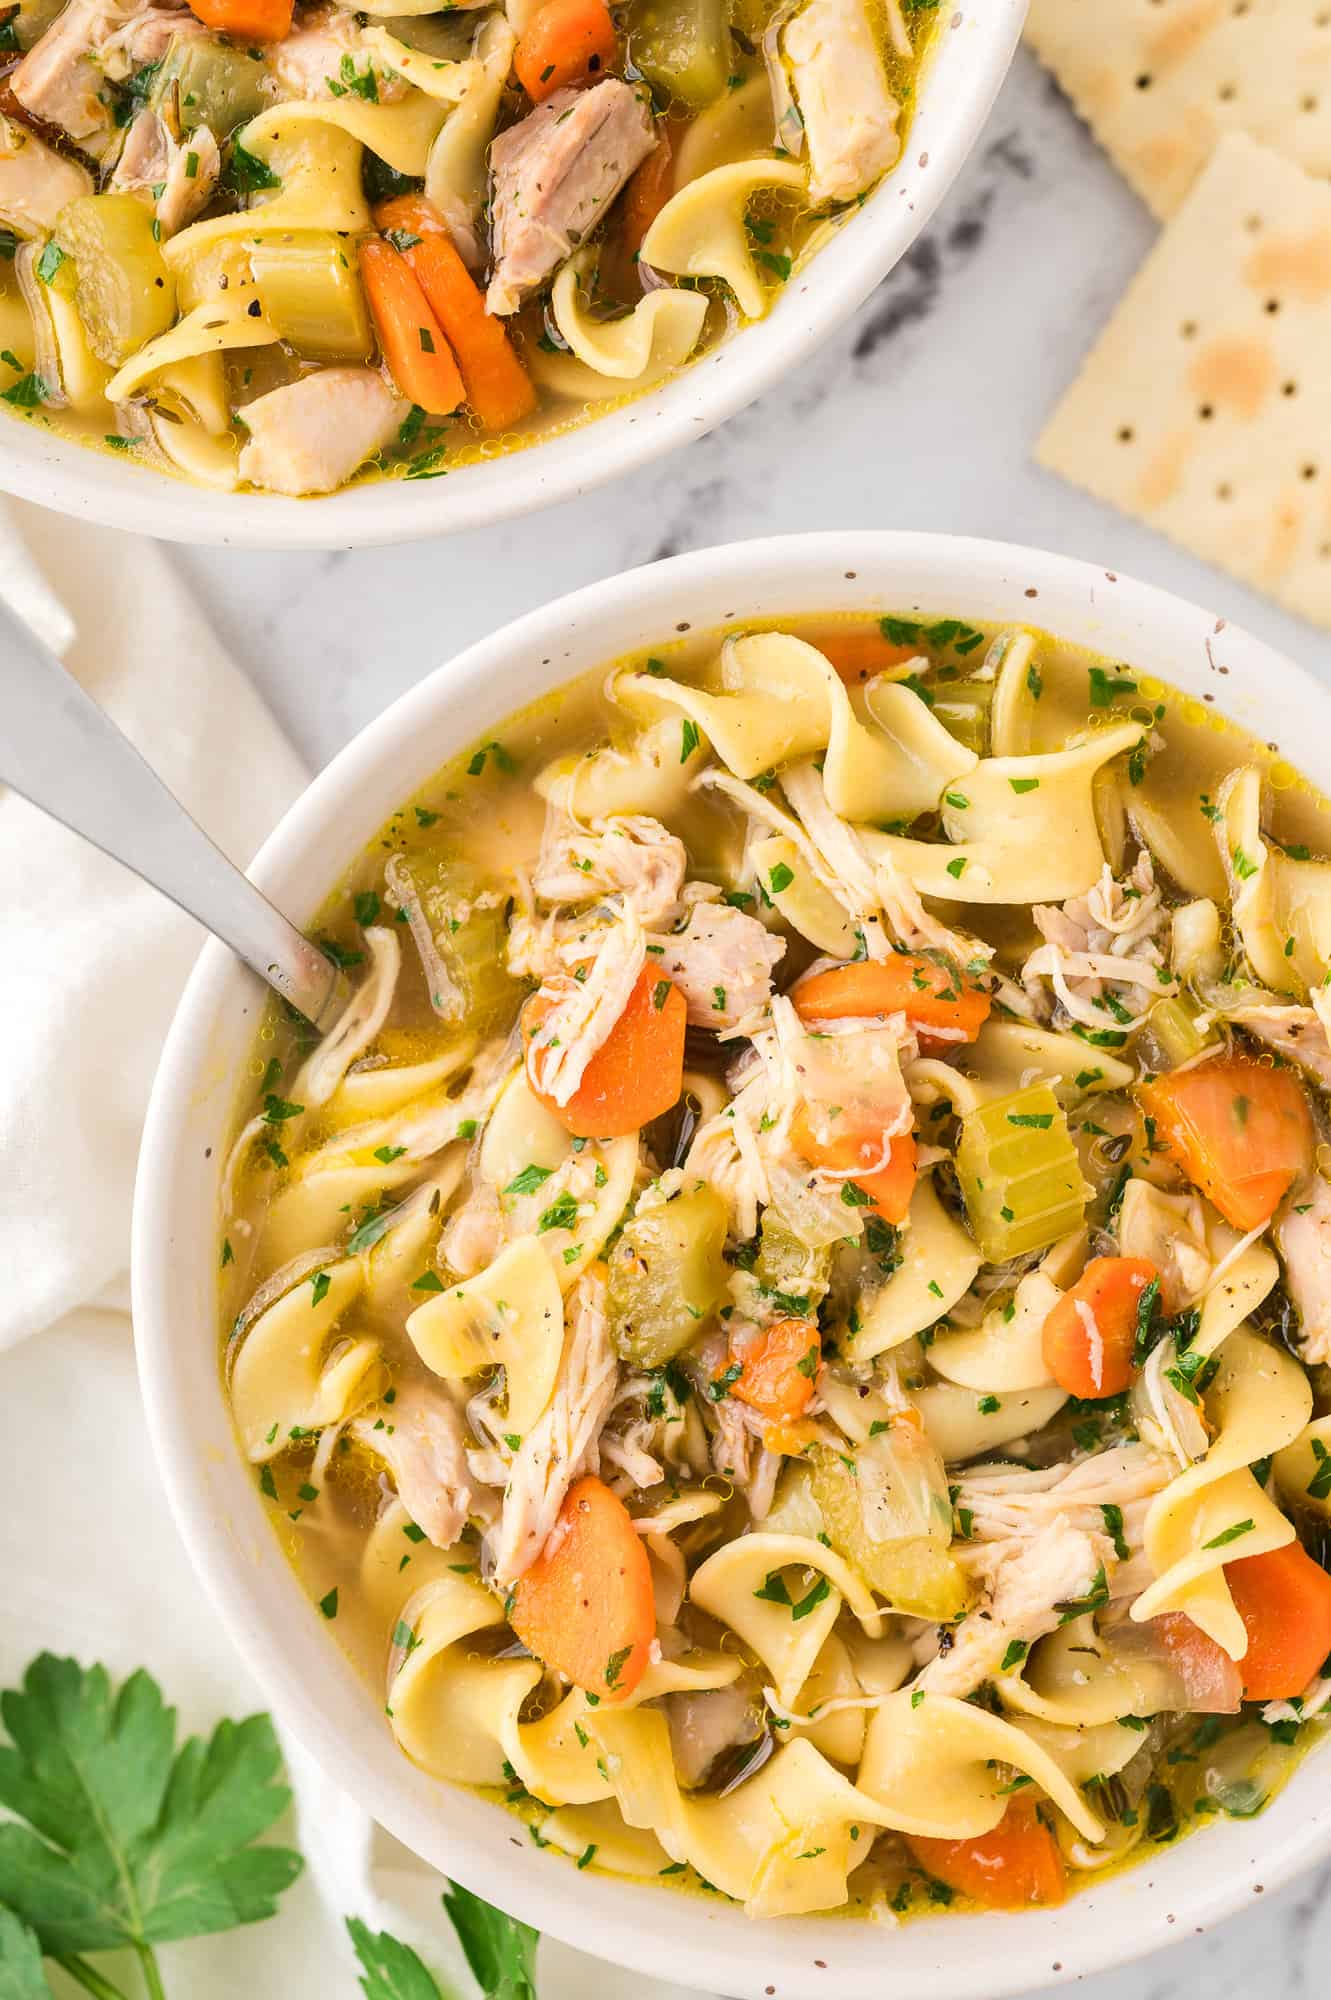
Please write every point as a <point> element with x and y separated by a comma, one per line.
<point>1181,854</point>
<point>1259,1402</point>
<point>1080,1678</point>
<point>653,774</point>
<point>1300,1469</point>
<point>378,1091</point>
<point>1007,1055</point>
<point>962,1425</point>
<point>701,233</point>
<point>522,1133</point>
<point>1278,901</point>
<point>729,1586</point>
<point>510,1315</point>
<point>318,164</point>
<point>1006,1351</point>
<point>800,899</point>
<point>449,1705</point>
<point>555,1758</point>
<point>1026,834</point>
<point>939,1262</point>
<point>634,349</point>
<point>297,1370</point>
<point>385,1581</point>
<point>621,1849</point>
<point>456,169</point>
<point>938,1767</point>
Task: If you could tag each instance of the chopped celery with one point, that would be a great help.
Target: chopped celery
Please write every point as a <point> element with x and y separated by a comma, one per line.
<point>915,1572</point>
<point>311,292</point>
<point>219,84</point>
<point>786,1264</point>
<point>467,915</point>
<point>963,709</point>
<point>125,294</point>
<point>1019,1173</point>
<point>682,47</point>
<point>32,19</point>
<point>1175,1033</point>
<point>667,1276</point>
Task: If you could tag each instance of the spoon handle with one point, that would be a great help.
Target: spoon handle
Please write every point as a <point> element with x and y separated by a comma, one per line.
<point>64,754</point>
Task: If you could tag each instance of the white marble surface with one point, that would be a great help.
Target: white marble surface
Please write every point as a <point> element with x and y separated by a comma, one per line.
<point>920,413</point>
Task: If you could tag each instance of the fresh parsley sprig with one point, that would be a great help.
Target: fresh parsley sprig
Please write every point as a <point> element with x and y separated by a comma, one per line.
<point>500,1951</point>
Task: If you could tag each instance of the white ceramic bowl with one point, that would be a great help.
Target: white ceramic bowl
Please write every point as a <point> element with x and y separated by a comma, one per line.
<point>699,1941</point>
<point>961,81</point>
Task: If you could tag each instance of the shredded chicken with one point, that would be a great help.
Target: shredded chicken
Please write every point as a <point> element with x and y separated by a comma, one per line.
<point>628,855</point>
<point>722,962</point>
<point>583,1011</point>
<point>356,1027</point>
<point>1298,1033</point>
<point>327,55</point>
<point>1029,1582</point>
<point>1006,1503</point>
<point>1303,1235</point>
<point>179,173</point>
<point>563,1444</point>
<point>35,180</point>
<point>1104,961</point>
<point>419,1436</point>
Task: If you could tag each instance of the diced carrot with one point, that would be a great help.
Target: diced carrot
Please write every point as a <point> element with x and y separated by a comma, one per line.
<point>638,1071</point>
<point>779,1370</point>
<point>566,41</point>
<point>497,385</point>
<point>246,20</point>
<point>586,1606</point>
<point>933,997</point>
<point>649,189</point>
<point>855,1152</point>
<point>1015,1867</point>
<point>858,656</point>
<point>1284,1600</point>
<point>1241,1131</point>
<point>1090,1334</point>
<point>419,358</point>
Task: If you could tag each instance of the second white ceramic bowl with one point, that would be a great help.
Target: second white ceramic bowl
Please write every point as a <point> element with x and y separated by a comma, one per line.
<point>961,80</point>
<point>702,1942</point>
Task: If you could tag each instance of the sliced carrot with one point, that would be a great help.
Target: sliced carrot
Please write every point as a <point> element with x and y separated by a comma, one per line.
<point>566,41</point>
<point>419,358</point>
<point>1014,1867</point>
<point>1241,1131</point>
<point>638,1071</point>
<point>855,1152</point>
<point>779,1370</point>
<point>1284,1600</point>
<point>930,995</point>
<point>1090,1335</point>
<point>497,385</point>
<point>246,20</point>
<point>858,656</point>
<point>649,189</point>
<point>586,1605</point>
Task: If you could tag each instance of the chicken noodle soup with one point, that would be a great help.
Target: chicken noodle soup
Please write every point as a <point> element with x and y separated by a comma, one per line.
<point>281,250</point>
<point>786,1329</point>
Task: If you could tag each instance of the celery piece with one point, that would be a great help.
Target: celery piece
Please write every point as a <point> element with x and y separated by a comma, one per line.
<point>787,1264</point>
<point>682,47</point>
<point>916,1573</point>
<point>1174,1031</point>
<point>219,84</point>
<point>467,915</point>
<point>1019,1173</point>
<point>124,291</point>
<point>963,708</point>
<point>310,290</point>
<point>667,1276</point>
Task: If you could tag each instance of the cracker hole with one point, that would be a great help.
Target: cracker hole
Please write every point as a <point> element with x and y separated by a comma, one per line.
<point>1289,388</point>
<point>1253,224</point>
<point>1227,92</point>
<point>1308,104</point>
<point>1125,433</point>
<point>1224,491</point>
<point>1307,472</point>
<point>1272,305</point>
<point>1189,329</point>
<point>1206,411</point>
<point>1325,552</point>
<point>1322,20</point>
<point>1143,83</point>
<point>1239,9</point>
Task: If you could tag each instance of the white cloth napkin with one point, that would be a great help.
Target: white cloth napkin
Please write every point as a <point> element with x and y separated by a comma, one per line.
<point>91,967</point>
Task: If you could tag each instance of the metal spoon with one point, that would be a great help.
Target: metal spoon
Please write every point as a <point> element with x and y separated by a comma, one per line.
<point>62,752</point>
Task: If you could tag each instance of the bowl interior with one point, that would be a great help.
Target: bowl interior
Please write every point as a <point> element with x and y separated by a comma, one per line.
<point>961,80</point>
<point>214,1494</point>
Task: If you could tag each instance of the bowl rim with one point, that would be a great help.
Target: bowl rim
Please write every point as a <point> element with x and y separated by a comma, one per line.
<point>963,75</point>
<point>1108,1924</point>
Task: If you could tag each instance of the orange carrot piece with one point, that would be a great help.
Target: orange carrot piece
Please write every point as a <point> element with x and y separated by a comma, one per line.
<point>1284,1600</point>
<point>419,358</point>
<point>586,1606</point>
<point>497,385</point>
<point>1241,1131</point>
<point>566,41</point>
<point>779,1370</point>
<point>638,1071</point>
<point>931,996</point>
<point>1090,1334</point>
<point>246,20</point>
<point>649,189</point>
<point>1211,1681</point>
<point>858,656</point>
<point>1015,1867</point>
<point>854,1152</point>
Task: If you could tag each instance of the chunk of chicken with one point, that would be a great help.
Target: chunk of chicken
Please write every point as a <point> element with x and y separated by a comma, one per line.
<point>722,963</point>
<point>35,180</point>
<point>180,174</point>
<point>628,855</point>
<point>555,174</point>
<point>310,436</point>
<point>562,1445</point>
<point>1029,1584</point>
<point>1303,1236</point>
<point>419,1437</point>
<point>1296,1032</point>
<point>61,80</point>
<point>1006,1502</point>
<point>850,116</point>
<point>328,54</point>
<point>1168,1230</point>
<point>585,1010</point>
<point>1105,953</point>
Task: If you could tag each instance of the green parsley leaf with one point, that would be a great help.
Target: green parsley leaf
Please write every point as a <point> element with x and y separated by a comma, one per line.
<point>389,1970</point>
<point>428,1281</point>
<point>957,868</point>
<point>528,1180</point>
<point>1228,1535</point>
<point>367,908</point>
<point>319,1284</point>
<point>49,262</point>
<point>780,878</point>
<point>21,1975</point>
<point>387,1154</point>
<point>1105,687</point>
<point>26,393</point>
<point>660,994</point>
<point>561,1214</point>
<point>1113,1520</point>
<point>132,1842</point>
<point>328,1604</point>
<point>500,1951</point>
<point>821,1590</point>
<point>246,173</point>
<point>688,740</point>
<point>1020,785</point>
<point>1017,1650</point>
